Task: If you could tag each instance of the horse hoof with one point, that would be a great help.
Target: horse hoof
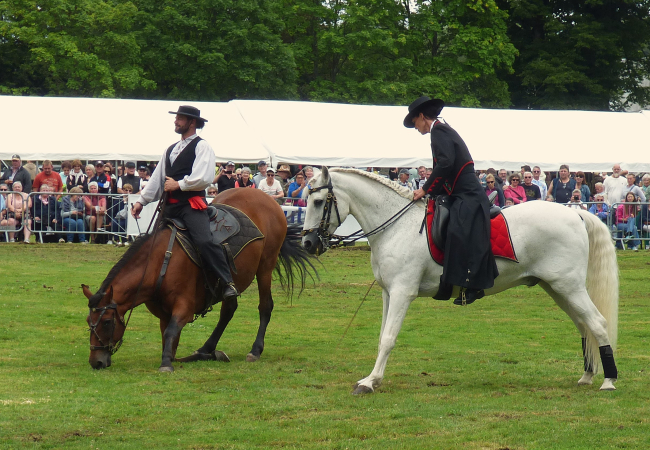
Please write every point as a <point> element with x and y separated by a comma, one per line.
<point>220,356</point>
<point>251,358</point>
<point>165,369</point>
<point>586,379</point>
<point>361,389</point>
<point>608,384</point>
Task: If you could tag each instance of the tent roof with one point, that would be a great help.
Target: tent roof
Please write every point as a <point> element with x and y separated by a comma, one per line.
<point>57,128</point>
<point>329,134</point>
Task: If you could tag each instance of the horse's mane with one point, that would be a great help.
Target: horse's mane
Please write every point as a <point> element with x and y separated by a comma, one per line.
<point>126,257</point>
<point>401,190</point>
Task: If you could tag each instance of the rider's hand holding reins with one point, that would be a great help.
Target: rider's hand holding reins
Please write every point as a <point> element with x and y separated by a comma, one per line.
<point>135,209</point>
<point>418,194</point>
<point>171,184</point>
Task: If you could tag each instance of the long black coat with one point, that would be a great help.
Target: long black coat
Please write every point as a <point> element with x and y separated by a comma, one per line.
<point>469,261</point>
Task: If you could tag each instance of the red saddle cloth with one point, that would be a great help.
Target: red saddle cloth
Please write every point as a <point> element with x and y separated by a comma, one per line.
<point>499,237</point>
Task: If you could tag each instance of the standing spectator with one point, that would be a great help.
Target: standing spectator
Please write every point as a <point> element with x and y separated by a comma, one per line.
<point>633,188</point>
<point>403,179</point>
<point>72,213</point>
<point>309,173</point>
<point>645,209</point>
<point>121,212</point>
<point>600,189</point>
<point>515,191</point>
<point>575,202</point>
<point>491,185</point>
<point>32,169</point>
<point>102,179</point>
<point>3,205</point>
<point>615,185</point>
<point>600,208</point>
<point>525,168</point>
<point>90,172</point>
<point>245,179</point>
<point>503,174</point>
<point>393,173</point>
<point>95,209</point>
<point>129,178</point>
<point>226,178</point>
<point>562,187</point>
<point>66,166</point>
<point>626,221</point>
<point>543,189</point>
<point>48,177</point>
<point>531,189</point>
<point>18,207</point>
<point>283,175</point>
<point>421,179</point>
<point>44,213</point>
<point>17,173</point>
<point>272,186</point>
<point>261,175</point>
<point>76,177</point>
<point>296,189</point>
<point>145,174</point>
<point>212,191</point>
<point>585,193</point>
<point>108,170</point>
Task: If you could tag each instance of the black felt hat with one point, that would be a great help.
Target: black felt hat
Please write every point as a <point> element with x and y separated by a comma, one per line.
<point>189,111</point>
<point>419,105</point>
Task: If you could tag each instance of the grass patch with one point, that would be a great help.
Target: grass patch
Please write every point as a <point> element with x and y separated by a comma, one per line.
<point>499,374</point>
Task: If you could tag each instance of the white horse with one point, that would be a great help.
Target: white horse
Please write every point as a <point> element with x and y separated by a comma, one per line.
<point>568,253</point>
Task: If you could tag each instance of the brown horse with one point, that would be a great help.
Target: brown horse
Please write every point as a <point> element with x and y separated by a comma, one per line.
<point>132,281</point>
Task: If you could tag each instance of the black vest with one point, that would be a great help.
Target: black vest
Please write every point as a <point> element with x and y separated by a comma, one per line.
<point>133,180</point>
<point>182,167</point>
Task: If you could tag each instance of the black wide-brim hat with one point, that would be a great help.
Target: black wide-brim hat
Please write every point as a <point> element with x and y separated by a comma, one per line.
<point>189,111</point>
<point>419,105</point>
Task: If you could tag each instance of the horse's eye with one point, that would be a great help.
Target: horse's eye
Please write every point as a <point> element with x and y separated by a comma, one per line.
<point>318,202</point>
<point>107,322</point>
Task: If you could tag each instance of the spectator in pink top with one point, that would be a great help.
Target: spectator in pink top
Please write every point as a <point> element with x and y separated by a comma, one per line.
<point>515,190</point>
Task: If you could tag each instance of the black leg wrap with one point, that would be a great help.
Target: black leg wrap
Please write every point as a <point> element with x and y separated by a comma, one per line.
<point>444,290</point>
<point>607,358</point>
<point>588,366</point>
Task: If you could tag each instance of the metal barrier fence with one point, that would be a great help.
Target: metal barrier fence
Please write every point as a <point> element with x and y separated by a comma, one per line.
<point>55,216</point>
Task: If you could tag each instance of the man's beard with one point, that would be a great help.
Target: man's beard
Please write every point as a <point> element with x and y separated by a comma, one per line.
<point>182,130</point>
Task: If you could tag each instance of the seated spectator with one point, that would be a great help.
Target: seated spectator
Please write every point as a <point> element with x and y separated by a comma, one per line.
<point>272,186</point>
<point>575,202</point>
<point>550,198</point>
<point>245,179</point>
<point>95,209</point>
<point>295,190</point>
<point>309,173</point>
<point>90,173</point>
<point>18,206</point>
<point>491,185</point>
<point>76,177</point>
<point>44,214</point>
<point>585,193</point>
<point>212,191</point>
<point>503,178</point>
<point>509,202</point>
<point>626,221</point>
<point>121,208</point>
<point>531,189</point>
<point>515,191</point>
<point>403,179</point>
<point>72,214</point>
<point>600,208</point>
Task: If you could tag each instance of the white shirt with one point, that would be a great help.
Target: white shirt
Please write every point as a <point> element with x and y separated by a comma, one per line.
<point>543,189</point>
<point>615,188</point>
<point>274,189</point>
<point>200,178</point>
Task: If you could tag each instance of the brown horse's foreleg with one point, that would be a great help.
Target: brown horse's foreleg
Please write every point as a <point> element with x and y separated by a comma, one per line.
<point>265,308</point>
<point>171,337</point>
<point>227,312</point>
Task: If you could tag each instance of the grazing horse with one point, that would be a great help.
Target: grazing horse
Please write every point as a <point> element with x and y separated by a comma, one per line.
<point>584,284</point>
<point>132,281</point>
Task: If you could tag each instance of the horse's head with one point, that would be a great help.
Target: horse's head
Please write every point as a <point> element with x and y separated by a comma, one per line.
<point>325,213</point>
<point>106,327</point>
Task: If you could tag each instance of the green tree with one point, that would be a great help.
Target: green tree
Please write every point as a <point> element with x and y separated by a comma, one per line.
<point>574,54</point>
<point>69,48</point>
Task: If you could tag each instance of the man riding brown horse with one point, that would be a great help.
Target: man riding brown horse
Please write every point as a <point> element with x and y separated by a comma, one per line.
<point>185,170</point>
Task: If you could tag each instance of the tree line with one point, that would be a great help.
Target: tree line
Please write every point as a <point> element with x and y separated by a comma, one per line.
<point>525,54</point>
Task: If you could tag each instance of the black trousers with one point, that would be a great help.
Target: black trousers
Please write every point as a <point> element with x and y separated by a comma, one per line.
<point>198,226</point>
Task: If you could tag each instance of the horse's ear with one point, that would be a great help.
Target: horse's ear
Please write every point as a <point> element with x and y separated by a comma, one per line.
<point>87,292</point>
<point>325,175</point>
<point>109,293</point>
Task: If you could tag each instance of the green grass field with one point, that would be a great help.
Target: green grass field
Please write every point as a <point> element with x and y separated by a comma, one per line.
<point>499,374</point>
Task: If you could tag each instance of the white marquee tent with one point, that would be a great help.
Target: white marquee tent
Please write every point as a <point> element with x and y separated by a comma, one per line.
<point>247,131</point>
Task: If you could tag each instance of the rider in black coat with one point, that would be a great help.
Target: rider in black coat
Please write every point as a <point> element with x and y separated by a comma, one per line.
<point>469,262</point>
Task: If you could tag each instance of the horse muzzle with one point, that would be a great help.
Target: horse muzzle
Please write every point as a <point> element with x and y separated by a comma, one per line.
<point>99,359</point>
<point>312,243</point>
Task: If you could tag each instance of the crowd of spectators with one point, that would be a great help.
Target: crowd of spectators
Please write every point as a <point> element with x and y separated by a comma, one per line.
<point>80,199</point>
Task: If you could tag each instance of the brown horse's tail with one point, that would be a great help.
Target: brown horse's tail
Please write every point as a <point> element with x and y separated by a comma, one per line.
<point>294,263</point>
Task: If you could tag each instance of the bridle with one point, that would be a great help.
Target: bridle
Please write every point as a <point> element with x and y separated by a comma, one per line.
<point>326,237</point>
<point>111,346</point>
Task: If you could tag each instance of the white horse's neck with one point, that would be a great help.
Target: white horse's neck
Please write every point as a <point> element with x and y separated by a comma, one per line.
<point>371,202</point>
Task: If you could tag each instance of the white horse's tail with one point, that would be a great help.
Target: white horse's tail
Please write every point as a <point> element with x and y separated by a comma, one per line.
<point>602,282</point>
